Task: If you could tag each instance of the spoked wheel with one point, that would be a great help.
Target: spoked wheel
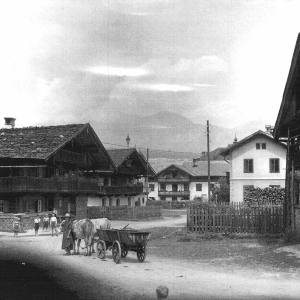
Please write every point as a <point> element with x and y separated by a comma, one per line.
<point>116,251</point>
<point>124,251</point>
<point>141,253</point>
<point>101,249</point>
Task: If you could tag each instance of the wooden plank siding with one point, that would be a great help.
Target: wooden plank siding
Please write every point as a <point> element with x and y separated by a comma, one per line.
<point>235,218</point>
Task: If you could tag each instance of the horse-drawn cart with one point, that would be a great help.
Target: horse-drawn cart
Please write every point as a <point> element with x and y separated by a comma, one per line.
<point>120,241</point>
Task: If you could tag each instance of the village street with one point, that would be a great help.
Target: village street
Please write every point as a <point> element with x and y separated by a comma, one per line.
<point>92,278</point>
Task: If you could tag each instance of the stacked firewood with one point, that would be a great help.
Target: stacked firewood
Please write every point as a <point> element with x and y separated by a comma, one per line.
<point>258,196</point>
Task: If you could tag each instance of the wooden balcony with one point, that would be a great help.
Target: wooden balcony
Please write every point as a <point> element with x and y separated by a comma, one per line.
<point>122,190</point>
<point>173,180</point>
<point>174,193</point>
<point>46,185</point>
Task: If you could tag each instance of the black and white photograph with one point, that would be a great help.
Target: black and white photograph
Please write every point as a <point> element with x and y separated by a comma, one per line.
<point>150,149</point>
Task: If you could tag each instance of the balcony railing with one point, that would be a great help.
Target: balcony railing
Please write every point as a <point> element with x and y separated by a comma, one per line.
<point>47,185</point>
<point>173,180</point>
<point>174,193</point>
<point>123,190</point>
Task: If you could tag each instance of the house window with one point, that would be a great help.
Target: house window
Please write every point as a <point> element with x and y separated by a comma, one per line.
<point>129,201</point>
<point>103,201</point>
<point>198,187</point>
<point>143,200</point>
<point>263,146</point>
<point>118,202</point>
<point>174,187</point>
<point>110,201</point>
<point>186,186</point>
<point>1,205</point>
<point>152,187</point>
<point>39,206</point>
<point>162,186</point>
<point>257,146</point>
<point>274,165</point>
<point>248,165</point>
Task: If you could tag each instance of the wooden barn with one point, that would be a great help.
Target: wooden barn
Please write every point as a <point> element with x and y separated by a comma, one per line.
<point>287,129</point>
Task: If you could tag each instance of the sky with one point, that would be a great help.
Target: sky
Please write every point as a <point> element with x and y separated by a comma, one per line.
<point>82,61</point>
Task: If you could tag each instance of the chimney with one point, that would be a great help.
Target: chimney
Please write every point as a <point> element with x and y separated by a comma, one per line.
<point>10,122</point>
<point>269,129</point>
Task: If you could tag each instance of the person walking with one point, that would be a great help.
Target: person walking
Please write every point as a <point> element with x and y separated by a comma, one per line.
<point>45,223</point>
<point>37,225</point>
<point>16,226</point>
<point>67,241</point>
<point>53,224</point>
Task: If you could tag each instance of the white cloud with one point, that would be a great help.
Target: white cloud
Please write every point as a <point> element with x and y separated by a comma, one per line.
<point>118,71</point>
<point>161,87</point>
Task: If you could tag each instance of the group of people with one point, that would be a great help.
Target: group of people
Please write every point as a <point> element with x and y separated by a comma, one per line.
<point>46,221</point>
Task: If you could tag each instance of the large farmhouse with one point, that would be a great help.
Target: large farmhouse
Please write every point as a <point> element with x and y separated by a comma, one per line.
<point>124,186</point>
<point>46,167</point>
<point>256,161</point>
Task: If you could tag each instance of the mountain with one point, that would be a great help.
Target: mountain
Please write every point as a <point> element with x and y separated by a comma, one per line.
<point>169,132</point>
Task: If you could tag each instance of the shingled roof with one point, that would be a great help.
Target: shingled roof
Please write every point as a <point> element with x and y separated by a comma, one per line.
<point>118,156</point>
<point>42,142</point>
<point>217,168</point>
<point>247,139</point>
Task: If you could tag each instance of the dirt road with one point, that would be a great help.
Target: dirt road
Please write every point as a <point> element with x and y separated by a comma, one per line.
<point>92,278</point>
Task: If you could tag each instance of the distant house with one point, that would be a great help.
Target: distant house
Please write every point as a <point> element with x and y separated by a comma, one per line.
<point>125,186</point>
<point>186,181</point>
<point>287,129</point>
<point>46,167</point>
<point>256,161</point>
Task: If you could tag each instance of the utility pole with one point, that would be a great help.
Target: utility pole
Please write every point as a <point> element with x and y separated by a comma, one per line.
<point>147,174</point>
<point>208,161</point>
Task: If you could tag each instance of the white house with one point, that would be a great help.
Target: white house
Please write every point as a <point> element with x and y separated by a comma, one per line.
<point>256,161</point>
<point>187,181</point>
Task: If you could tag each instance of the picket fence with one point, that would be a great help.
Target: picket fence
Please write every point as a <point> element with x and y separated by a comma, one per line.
<point>236,218</point>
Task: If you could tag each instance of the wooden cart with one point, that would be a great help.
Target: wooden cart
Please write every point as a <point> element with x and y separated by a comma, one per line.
<point>120,241</point>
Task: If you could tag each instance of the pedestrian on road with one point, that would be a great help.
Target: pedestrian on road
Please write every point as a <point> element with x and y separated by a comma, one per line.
<point>16,226</point>
<point>45,223</point>
<point>67,241</point>
<point>162,292</point>
<point>37,225</point>
<point>53,224</point>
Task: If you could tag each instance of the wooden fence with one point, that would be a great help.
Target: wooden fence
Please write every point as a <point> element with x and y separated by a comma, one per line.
<point>124,212</point>
<point>236,218</point>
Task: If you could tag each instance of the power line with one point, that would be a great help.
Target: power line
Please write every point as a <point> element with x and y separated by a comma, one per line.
<point>154,150</point>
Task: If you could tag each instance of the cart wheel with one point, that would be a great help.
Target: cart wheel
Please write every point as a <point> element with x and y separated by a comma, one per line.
<point>101,249</point>
<point>116,251</point>
<point>124,251</point>
<point>141,253</point>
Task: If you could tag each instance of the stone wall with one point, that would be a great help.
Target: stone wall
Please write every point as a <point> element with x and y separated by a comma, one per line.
<point>26,222</point>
